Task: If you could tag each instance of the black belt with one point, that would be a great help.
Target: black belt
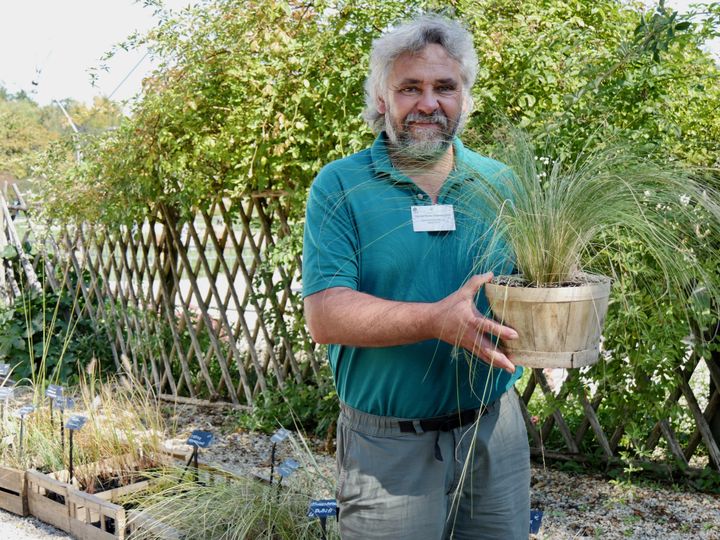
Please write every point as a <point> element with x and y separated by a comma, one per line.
<point>442,423</point>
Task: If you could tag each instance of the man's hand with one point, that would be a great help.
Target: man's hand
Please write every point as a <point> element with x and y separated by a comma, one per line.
<point>461,324</point>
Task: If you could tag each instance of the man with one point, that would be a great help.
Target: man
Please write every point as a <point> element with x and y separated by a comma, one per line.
<point>430,442</point>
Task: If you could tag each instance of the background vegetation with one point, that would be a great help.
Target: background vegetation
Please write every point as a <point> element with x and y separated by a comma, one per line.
<point>254,97</point>
<point>27,129</point>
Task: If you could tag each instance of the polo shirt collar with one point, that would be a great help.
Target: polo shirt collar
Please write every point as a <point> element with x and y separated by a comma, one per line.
<point>384,167</point>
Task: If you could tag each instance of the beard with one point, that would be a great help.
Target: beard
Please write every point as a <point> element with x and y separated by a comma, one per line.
<point>422,144</point>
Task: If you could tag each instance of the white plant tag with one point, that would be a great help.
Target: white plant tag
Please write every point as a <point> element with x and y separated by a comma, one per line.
<point>432,218</point>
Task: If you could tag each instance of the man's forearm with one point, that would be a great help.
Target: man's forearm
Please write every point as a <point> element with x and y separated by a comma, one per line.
<point>348,317</point>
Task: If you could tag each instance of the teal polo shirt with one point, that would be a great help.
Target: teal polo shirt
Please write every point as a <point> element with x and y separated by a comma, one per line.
<point>359,234</point>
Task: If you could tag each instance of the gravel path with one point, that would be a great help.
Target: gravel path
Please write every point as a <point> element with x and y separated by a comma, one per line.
<point>575,506</point>
<point>13,527</point>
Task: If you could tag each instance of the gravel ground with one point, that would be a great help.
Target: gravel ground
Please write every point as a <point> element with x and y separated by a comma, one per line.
<point>13,527</point>
<point>575,506</point>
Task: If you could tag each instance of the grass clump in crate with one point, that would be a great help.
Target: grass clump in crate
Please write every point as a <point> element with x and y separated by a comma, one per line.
<point>123,434</point>
<point>212,506</point>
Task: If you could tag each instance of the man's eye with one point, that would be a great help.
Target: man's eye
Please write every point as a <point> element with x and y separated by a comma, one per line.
<point>409,90</point>
<point>446,89</point>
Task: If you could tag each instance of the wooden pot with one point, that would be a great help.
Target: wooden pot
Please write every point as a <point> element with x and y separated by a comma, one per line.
<point>558,327</point>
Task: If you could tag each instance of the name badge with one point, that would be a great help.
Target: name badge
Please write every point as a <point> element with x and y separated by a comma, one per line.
<point>432,218</point>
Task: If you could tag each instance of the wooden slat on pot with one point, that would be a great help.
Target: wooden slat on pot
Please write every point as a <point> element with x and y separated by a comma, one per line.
<point>550,326</point>
<point>581,315</point>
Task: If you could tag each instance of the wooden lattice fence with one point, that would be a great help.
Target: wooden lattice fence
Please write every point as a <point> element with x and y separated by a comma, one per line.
<point>207,309</point>
<point>195,308</point>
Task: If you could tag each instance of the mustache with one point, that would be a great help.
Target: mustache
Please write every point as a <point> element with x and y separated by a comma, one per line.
<point>436,117</point>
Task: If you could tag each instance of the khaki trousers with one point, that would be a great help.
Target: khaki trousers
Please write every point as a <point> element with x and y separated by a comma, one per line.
<point>472,482</point>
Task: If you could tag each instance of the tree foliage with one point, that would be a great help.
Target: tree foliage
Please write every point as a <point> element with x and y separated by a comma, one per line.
<point>27,129</point>
<point>255,96</point>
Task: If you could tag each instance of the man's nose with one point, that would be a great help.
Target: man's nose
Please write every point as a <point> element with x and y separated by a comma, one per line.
<point>428,102</point>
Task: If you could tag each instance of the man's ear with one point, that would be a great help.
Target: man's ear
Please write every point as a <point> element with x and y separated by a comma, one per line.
<point>467,103</point>
<point>381,107</point>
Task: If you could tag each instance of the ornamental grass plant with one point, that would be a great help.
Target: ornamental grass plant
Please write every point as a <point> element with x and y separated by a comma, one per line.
<point>564,225</point>
<point>561,217</point>
<point>238,509</point>
<point>235,508</point>
<point>123,434</point>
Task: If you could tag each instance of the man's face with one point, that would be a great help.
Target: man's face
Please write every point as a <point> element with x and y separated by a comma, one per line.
<point>424,103</point>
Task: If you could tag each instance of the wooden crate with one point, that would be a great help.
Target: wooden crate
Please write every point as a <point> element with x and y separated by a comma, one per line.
<point>140,520</point>
<point>97,516</point>
<point>94,518</point>
<point>83,515</point>
<point>47,499</point>
<point>13,491</point>
<point>52,499</point>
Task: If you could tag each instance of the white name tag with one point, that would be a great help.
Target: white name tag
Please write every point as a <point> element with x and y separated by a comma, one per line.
<point>431,218</point>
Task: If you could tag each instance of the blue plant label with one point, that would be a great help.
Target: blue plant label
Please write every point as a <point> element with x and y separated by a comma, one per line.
<point>4,370</point>
<point>24,411</point>
<point>76,422</point>
<point>201,439</point>
<point>6,393</point>
<point>63,403</point>
<point>287,467</point>
<point>323,508</point>
<point>54,391</point>
<point>280,435</point>
<point>535,521</point>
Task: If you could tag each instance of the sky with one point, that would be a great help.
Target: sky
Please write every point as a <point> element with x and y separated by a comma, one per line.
<point>47,47</point>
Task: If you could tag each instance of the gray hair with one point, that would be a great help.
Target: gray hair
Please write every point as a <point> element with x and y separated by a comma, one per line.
<point>412,37</point>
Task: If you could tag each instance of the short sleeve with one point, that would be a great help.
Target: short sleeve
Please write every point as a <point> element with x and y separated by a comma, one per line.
<point>330,241</point>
